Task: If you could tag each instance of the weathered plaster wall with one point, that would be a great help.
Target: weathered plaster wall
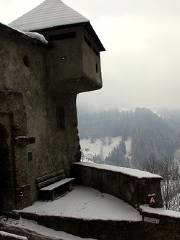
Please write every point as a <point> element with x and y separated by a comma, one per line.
<point>65,68</point>
<point>91,62</point>
<point>23,68</point>
<point>6,166</point>
<point>14,182</point>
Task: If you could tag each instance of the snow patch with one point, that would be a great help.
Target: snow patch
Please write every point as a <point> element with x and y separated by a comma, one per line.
<point>128,156</point>
<point>33,35</point>
<point>101,146</point>
<point>36,36</point>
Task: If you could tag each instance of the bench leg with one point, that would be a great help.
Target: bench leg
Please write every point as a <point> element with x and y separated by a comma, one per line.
<point>70,187</point>
<point>53,195</point>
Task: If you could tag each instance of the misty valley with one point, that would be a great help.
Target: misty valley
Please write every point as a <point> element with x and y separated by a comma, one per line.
<point>138,139</point>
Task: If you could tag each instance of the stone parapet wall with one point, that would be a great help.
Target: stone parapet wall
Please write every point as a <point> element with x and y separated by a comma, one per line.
<point>132,189</point>
<point>108,229</point>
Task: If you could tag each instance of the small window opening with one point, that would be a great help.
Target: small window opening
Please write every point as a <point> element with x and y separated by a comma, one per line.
<point>26,61</point>
<point>60,118</point>
<point>30,156</point>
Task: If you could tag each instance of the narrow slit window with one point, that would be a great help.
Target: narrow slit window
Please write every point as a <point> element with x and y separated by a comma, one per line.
<point>60,118</point>
<point>30,156</point>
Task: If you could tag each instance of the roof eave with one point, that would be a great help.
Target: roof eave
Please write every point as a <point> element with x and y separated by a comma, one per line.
<point>94,34</point>
<point>87,25</point>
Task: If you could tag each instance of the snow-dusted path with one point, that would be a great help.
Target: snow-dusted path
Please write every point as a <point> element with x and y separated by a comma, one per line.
<point>87,203</point>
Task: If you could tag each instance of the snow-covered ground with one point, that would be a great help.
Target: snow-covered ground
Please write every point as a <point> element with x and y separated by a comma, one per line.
<point>102,147</point>
<point>87,203</point>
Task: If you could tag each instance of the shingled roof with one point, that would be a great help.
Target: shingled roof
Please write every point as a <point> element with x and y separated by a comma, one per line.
<point>50,13</point>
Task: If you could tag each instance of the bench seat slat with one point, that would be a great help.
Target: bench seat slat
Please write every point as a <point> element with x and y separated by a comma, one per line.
<point>57,184</point>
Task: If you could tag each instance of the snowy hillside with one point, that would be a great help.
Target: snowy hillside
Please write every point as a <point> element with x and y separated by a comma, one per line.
<point>101,148</point>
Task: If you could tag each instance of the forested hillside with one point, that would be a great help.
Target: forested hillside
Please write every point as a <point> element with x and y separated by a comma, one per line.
<point>152,137</point>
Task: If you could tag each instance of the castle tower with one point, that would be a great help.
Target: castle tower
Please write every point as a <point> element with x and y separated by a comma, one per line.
<point>75,47</point>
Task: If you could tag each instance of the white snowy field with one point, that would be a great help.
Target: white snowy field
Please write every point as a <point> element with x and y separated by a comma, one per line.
<point>87,203</point>
<point>102,147</point>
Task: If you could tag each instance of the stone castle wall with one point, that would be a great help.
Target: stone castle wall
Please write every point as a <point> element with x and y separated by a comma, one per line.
<point>23,69</point>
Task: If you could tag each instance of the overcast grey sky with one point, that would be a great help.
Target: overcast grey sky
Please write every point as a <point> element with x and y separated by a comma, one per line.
<point>141,67</point>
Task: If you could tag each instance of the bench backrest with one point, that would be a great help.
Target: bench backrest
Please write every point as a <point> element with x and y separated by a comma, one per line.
<point>48,179</point>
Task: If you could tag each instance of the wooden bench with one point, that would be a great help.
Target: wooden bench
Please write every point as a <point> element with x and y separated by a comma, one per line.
<point>56,189</point>
<point>53,185</point>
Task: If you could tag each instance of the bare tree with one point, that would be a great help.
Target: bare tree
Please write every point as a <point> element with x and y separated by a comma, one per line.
<point>170,186</point>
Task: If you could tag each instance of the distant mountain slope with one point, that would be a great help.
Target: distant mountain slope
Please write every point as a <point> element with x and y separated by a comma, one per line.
<point>112,150</point>
<point>153,138</point>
